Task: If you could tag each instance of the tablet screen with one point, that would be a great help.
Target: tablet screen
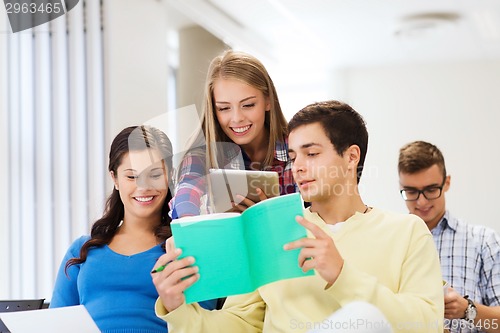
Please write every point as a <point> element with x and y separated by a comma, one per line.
<point>227,183</point>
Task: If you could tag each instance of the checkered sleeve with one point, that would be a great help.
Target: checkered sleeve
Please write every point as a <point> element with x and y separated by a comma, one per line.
<point>191,186</point>
<point>490,271</point>
<point>283,166</point>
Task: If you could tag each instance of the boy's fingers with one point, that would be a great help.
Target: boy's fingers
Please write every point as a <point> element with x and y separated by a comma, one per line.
<point>313,228</point>
<point>303,242</point>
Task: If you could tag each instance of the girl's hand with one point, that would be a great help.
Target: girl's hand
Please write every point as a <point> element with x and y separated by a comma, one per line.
<point>245,202</point>
<point>319,253</point>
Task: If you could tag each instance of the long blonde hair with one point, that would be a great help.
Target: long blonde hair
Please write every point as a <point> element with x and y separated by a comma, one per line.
<point>248,69</point>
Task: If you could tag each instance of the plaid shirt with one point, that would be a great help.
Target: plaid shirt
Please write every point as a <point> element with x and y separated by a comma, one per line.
<point>191,188</point>
<point>470,262</point>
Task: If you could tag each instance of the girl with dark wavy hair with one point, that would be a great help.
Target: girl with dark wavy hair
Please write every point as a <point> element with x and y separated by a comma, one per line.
<point>109,271</point>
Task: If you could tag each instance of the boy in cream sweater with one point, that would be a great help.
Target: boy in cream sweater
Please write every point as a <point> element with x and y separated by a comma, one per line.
<point>359,253</point>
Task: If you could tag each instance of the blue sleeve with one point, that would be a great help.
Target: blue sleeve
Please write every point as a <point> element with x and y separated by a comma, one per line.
<point>65,291</point>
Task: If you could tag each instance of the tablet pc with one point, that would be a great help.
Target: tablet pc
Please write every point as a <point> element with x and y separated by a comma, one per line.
<point>227,183</point>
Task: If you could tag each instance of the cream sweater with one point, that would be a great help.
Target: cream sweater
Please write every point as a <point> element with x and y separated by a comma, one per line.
<point>390,262</point>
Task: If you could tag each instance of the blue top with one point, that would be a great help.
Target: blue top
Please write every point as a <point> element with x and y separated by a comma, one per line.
<point>117,290</point>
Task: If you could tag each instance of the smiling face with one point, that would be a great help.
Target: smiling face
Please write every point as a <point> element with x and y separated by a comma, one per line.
<point>319,171</point>
<point>141,180</point>
<point>431,211</point>
<point>241,111</point>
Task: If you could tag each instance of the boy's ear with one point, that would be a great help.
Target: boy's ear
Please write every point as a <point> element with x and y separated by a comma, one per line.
<point>353,154</point>
<point>447,183</point>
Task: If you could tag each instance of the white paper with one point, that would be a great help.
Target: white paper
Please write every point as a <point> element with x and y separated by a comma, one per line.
<point>74,319</point>
<point>354,317</point>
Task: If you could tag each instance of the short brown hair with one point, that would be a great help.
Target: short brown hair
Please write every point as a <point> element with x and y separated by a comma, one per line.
<point>420,155</point>
<point>343,125</point>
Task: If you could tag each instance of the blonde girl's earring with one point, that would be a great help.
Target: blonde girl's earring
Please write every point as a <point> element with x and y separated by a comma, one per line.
<point>116,187</point>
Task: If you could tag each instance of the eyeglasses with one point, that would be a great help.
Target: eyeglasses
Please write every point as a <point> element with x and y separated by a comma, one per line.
<point>430,193</point>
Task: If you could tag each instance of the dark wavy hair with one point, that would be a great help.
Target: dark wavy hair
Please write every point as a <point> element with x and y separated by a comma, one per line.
<point>129,139</point>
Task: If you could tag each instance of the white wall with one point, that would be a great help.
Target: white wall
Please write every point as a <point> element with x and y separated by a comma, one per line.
<point>454,106</point>
<point>136,67</point>
<point>135,42</point>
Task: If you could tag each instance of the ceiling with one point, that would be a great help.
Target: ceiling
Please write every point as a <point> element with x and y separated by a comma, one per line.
<point>350,33</point>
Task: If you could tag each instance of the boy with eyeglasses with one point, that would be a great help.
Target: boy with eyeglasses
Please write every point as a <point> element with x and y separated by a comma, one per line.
<point>469,254</point>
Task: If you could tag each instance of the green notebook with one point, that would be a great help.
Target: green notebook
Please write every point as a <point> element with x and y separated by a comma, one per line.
<point>238,253</point>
